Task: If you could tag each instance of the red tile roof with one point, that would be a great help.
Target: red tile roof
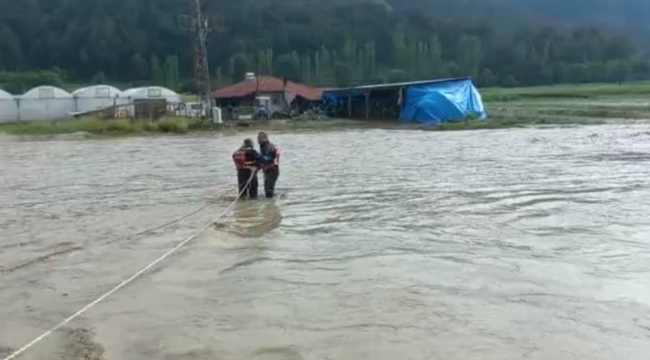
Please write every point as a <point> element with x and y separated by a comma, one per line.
<point>267,84</point>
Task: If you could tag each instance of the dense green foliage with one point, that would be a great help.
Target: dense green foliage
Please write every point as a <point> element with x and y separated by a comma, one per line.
<point>324,42</point>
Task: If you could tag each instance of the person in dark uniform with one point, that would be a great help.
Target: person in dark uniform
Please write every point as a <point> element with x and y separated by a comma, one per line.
<point>270,163</point>
<point>247,163</point>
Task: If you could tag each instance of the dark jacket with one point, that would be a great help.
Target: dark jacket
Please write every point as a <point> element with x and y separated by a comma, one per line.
<point>269,156</point>
<point>246,158</point>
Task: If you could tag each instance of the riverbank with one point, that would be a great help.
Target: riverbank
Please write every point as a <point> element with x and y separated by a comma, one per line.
<point>507,108</point>
<point>109,128</point>
<point>113,128</point>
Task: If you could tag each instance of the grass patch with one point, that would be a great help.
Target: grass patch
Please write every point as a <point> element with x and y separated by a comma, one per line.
<point>173,125</point>
<point>100,127</point>
<point>584,91</point>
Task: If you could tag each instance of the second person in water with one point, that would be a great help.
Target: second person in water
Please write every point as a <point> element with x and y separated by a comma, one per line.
<point>247,161</point>
<point>269,162</point>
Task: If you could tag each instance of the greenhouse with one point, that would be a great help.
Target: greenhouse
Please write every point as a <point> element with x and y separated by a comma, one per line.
<point>151,102</point>
<point>45,103</point>
<point>8,107</point>
<point>152,93</point>
<point>97,97</point>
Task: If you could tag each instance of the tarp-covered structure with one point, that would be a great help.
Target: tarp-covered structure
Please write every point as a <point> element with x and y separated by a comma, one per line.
<point>430,102</point>
<point>8,107</point>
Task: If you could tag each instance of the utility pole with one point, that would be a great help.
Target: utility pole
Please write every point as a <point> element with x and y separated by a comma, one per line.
<point>199,26</point>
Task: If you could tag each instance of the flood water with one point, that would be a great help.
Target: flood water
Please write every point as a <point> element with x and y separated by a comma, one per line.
<point>491,245</point>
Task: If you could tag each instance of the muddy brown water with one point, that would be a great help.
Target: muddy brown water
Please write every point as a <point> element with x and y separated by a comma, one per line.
<point>509,244</point>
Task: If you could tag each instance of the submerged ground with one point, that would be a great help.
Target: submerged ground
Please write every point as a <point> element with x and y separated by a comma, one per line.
<point>386,244</point>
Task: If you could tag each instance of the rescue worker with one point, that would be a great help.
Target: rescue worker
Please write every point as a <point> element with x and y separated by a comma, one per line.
<point>270,163</point>
<point>247,163</point>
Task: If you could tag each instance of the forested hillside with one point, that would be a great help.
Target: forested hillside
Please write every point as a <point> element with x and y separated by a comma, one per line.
<point>326,42</point>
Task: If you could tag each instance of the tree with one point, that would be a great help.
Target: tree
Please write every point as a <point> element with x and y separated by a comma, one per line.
<point>239,66</point>
<point>469,56</point>
<point>130,41</point>
<point>619,71</point>
<point>343,74</point>
<point>396,76</point>
<point>325,65</point>
<point>99,78</point>
<point>487,78</point>
<point>306,73</point>
<point>140,67</point>
<point>509,81</point>
<point>400,50</point>
<point>10,48</point>
<point>172,79</point>
<point>157,72</point>
<point>287,67</point>
<point>578,73</point>
<point>219,79</point>
<point>370,61</point>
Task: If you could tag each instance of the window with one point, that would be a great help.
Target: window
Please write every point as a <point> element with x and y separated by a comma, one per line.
<point>154,93</point>
<point>102,92</point>
<point>277,98</point>
<point>46,93</point>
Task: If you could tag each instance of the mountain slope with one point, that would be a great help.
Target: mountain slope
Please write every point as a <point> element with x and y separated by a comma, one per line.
<point>620,14</point>
<point>329,41</point>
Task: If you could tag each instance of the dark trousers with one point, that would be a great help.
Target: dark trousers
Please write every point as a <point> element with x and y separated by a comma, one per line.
<point>270,178</point>
<point>247,189</point>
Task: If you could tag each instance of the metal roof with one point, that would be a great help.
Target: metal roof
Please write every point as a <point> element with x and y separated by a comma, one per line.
<point>398,85</point>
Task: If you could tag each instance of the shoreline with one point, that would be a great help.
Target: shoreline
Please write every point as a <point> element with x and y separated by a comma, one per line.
<point>178,126</point>
<point>543,106</point>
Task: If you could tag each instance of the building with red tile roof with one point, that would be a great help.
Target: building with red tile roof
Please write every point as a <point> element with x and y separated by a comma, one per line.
<point>265,84</point>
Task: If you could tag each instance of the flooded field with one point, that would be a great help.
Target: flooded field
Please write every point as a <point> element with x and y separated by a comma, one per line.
<point>491,245</point>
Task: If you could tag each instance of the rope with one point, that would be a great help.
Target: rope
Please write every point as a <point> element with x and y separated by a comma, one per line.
<point>143,232</point>
<point>63,323</point>
<point>172,222</point>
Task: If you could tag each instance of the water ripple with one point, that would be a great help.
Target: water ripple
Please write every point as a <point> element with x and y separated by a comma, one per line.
<point>489,245</point>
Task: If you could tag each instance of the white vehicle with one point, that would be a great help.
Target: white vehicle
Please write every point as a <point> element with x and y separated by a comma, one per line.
<point>192,109</point>
<point>195,109</point>
<point>263,108</point>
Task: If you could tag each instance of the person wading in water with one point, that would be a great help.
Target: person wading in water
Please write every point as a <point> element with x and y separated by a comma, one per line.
<point>247,163</point>
<point>270,163</point>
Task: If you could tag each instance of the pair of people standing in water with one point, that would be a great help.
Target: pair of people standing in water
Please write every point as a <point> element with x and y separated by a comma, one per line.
<point>249,161</point>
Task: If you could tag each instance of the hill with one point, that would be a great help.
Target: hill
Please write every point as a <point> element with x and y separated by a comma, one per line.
<point>326,42</point>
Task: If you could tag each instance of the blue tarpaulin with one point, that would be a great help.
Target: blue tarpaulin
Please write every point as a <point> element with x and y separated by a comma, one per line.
<point>441,101</point>
<point>429,102</point>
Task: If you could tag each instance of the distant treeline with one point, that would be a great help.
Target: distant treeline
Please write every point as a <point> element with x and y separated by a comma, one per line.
<point>326,43</point>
